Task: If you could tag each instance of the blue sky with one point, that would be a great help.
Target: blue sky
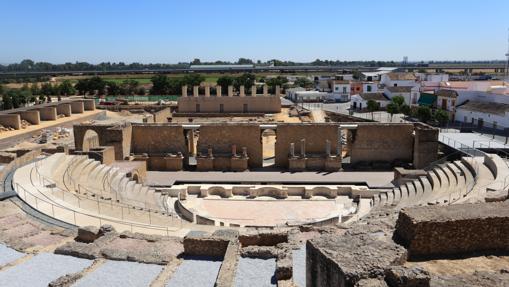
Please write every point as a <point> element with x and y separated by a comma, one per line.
<point>168,31</point>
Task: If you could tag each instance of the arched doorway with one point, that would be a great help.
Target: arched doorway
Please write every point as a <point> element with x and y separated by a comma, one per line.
<point>268,138</point>
<point>90,140</point>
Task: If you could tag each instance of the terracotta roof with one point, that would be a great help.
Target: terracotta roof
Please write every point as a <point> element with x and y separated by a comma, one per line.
<point>373,96</point>
<point>401,89</point>
<point>447,93</point>
<point>485,107</point>
<point>401,76</point>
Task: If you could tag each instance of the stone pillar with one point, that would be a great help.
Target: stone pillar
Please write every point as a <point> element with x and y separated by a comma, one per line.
<point>230,91</point>
<point>234,150</point>
<point>327,148</point>
<point>338,145</point>
<point>209,152</point>
<point>253,91</point>
<point>278,91</point>
<point>196,91</point>
<point>191,141</point>
<point>265,90</point>
<point>303,147</point>
<point>292,150</point>
<point>207,91</point>
<point>242,91</point>
<point>244,152</point>
<point>218,91</point>
<point>184,91</point>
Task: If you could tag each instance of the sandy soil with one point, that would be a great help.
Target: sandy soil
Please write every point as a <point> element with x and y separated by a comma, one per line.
<point>463,266</point>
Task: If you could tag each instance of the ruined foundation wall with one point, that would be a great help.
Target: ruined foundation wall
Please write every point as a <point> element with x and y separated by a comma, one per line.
<point>158,139</point>
<point>258,104</point>
<point>31,116</point>
<point>314,134</point>
<point>221,137</point>
<point>162,116</point>
<point>13,121</point>
<point>382,142</point>
<point>118,136</point>
<point>425,145</point>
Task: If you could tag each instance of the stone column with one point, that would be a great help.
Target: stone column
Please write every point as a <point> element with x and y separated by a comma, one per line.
<point>218,91</point>
<point>292,150</point>
<point>196,91</point>
<point>327,148</point>
<point>209,152</point>
<point>303,147</point>
<point>184,91</point>
<point>207,91</point>
<point>265,90</point>
<point>244,152</point>
<point>278,91</point>
<point>230,91</point>
<point>234,150</point>
<point>191,141</point>
<point>242,91</point>
<point>253,91</point>
<point>338,145</point>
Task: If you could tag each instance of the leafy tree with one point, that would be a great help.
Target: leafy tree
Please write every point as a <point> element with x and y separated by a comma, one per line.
<point>129,86</point>
<point>441,117</point>
<point>66,88</point>
<point>303,82</point>
<point>196,61</point>
<point>372,107</point>
<point>1,89</point>
<point>405,109</point>
<point>160,85</point>
<point>193,79</point>
<point>42,98</point>
<point>46,89</point>
<point>424,113</point>
<point>244,61</point>
<point>15,99</point>
<point>113,88</point>
<point>398,100</point>
<point>392,109</point>
<point>225,81</point>
<point>141,91</point>
<point>7,101</point>
<point>277,81</point>
<point>247,80</point>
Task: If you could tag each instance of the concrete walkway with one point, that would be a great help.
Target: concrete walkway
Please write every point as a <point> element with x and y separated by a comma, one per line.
<point>472,140</point>
<point>371,179</point>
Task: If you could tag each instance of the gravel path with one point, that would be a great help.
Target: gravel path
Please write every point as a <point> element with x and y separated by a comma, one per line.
<point>8,254</point>
<point>195,272</point>
<point>299,266</point>
<point>255,272</point>
<point>121,274</point>
<point>42,269</point>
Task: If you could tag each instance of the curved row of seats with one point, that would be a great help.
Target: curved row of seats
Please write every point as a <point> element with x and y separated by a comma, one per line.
<point>445,183</point>
<point>89,177</point>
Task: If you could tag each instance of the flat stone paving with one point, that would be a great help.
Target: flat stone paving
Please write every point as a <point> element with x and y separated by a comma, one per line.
<point>195,272</point>
<point>121,273</point>
<point>8,255</point>
<point>371,179</point>
<point>470,140</point>
<point>42,269</point>
<point>299,266</point>
<point>255,272</point>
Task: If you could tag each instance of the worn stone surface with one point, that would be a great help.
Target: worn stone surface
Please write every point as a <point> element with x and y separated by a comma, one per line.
<point>371,282</point>
<point>66,280</point>
<point>478,279</point>
<point>204,245</point>
<point>456,230</point>
<point>262,252</point>
<point>407,277</point>
<point>226,276</point>
<point>284,266</point>
<point>87,234</point>
<point>263,237</point>
<point>345,260</point>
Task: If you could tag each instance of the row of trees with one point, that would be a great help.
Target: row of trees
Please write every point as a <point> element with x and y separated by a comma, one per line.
<point>99,86</point>
<point>164,85</point>
<point>15,98</point>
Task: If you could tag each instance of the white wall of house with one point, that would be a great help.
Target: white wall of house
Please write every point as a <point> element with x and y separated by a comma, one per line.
<point>369,87</point>
<point>399,83</point>
<point>464,115</point>
<point>410,98</point>
<point>480,96</point>
<point>341,91</point>
<point>450,103</point>
<point>359,103</point>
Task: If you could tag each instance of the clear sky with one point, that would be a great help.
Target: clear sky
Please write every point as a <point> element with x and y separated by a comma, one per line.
<point>168,31</point>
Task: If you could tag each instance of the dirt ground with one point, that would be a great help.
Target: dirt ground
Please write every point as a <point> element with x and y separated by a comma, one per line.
<point>463,266</point>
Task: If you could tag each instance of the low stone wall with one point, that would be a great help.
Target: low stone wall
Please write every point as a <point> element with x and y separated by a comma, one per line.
<point>456,230</point>
<point>263,238</point>
<point>203,220</point>
<point>12,121</point>
<point>226,275</point>
<point>89,105</point>
<point>64,109</point>
<point>17,162</point>
<point>31,116</point>
<point>48,113</point>
<point>77,107</point>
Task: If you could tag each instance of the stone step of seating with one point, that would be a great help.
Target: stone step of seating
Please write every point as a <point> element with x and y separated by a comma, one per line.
<point>77,172</point>
<point>427,189</point>
<point>468,162</point>
<point>469,178</point>
<point>419,190</point>
<point>83,179</point>
<point>74,168</point>
<point>411,191</point>
<point>404,194</point>
<point>433,179</point>
<point>444,181</point>
<point>50,164</point>
<point>460,178</point>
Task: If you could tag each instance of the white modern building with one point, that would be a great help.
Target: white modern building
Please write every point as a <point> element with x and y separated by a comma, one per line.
<point>360,101</point>
<point>483,114</point>
<point>369,87</point>
<point>409,93</point>
<point>398,79</point>
<point>341,90</point>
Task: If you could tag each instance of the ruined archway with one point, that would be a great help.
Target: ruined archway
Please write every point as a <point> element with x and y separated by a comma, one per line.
<point>90,140</point>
